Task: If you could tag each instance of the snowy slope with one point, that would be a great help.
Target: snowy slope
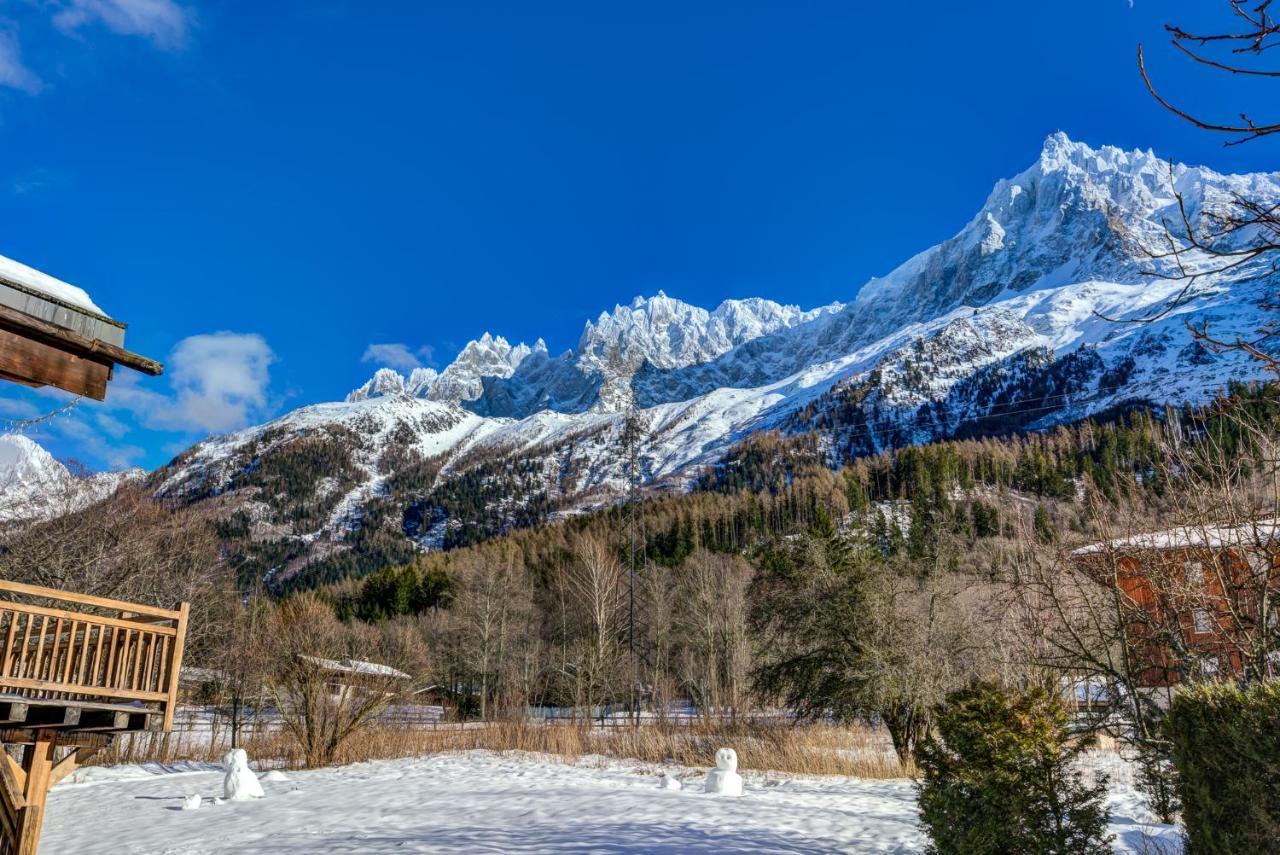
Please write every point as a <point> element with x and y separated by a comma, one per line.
<point>480,802</point>
<point>1038,311</point>
<point>33,485</point>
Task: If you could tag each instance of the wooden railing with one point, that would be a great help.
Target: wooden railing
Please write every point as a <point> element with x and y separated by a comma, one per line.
<point>74,647</point>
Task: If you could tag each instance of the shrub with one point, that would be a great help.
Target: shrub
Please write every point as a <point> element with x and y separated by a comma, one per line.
<point>998,778</point>
<point>1226,747</point>
<point>1156,778</point>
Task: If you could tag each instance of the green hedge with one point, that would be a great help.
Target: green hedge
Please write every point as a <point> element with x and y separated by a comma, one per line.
<point>1226,747</point>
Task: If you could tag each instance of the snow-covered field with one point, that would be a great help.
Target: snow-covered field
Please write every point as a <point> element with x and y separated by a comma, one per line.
<point>481,802</point>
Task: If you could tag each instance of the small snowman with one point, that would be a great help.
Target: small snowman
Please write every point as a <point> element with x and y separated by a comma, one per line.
<point>724,778</point>
<point>240,784</point>
<point>669,782</point>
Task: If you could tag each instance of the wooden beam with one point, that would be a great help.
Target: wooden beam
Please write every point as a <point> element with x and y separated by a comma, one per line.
<point>27,736</point>
<point>13,712</point>
<point>33,327</point>
<point>36,362</point>
<point>65,766</point>
<point>87,600</point>
<point>37,762</point>
<point>13,802</point>
<point>74,689</point>
<point>15,770</point>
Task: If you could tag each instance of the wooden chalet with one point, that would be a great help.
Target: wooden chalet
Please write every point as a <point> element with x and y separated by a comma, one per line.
<point>1196,594</point>
<point>52,334</point>
<point>75,670</point>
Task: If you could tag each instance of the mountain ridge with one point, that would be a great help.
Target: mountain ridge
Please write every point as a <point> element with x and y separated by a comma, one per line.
<point>1000,326</point>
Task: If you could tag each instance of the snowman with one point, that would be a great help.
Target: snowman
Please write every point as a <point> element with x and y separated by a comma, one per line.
<point>240,784</point>
<point>724,778</point>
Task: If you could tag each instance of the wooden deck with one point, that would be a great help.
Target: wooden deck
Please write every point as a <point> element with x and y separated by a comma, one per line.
<point>74,671</point>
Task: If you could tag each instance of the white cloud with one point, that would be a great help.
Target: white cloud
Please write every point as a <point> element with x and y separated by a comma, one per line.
<point>162,21</point>
<point>397,356</point>
<point>216,382</point>
<point>219,381</point>
<point>13,73</point>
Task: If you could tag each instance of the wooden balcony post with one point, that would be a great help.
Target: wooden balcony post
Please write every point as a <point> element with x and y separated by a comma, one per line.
<point>37,764</point>
<point>175,665</point>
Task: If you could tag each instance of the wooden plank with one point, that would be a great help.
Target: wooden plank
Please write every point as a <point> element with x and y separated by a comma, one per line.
<point>13,783</point>
<point>20,668</point>
<point>14,778</point>
<point>110,721</point>
<point>37,665</point>
<point>52,716</point>
<point>86,599</point>
<point>175,666</point>
<point>37,329</point>
<point>26,736</point>
<point>47,612</point>
<point>65,766</point>
<point>93,691</point>
<point>8,643</point>
<point>35,362</point>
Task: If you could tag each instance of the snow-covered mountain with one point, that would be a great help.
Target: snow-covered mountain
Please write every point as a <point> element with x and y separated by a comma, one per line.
<point>1040,310</point>
<point>492,377</point>
<point>33,485</point>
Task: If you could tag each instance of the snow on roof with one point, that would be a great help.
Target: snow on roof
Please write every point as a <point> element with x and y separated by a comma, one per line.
<point>29,277</point>
<point>357,666</point>
<point>1188,537</point>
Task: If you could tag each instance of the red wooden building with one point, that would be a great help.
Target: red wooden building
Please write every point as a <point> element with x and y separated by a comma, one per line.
<point>1202,601</point>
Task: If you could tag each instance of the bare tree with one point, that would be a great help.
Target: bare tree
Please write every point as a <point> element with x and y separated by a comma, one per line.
<point>658,593</point>
<point>130,547</point>
<point>712,621</point>
<point>491,613</point>
<point>330,680</point>
<point>1232,237</point>
<point>240,660</point>
<point>595,584</point>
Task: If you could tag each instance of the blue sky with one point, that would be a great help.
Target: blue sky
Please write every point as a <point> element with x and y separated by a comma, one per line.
<point>263,190</point>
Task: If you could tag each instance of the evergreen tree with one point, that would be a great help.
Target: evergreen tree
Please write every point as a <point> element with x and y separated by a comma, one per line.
<point>998,778</point>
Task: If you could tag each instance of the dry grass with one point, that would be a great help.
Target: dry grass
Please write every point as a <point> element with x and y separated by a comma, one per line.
<point>809,750</point>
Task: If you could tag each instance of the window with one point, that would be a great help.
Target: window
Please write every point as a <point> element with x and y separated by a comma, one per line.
<point>1202,620</point>
<point>1194,573</point>
<point>1209,666</point>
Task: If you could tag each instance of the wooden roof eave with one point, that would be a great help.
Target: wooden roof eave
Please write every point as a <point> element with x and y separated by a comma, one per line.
<point>72,342</point>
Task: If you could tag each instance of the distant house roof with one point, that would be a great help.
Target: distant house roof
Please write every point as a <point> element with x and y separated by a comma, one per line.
<point>53,334</point>
<point>1192,537</point>
<point>356,666</point>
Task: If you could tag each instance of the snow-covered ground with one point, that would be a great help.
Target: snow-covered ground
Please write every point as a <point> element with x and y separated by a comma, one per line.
<point>481,802</point>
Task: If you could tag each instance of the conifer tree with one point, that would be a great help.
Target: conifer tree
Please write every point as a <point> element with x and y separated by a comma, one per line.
<point>998,778</point>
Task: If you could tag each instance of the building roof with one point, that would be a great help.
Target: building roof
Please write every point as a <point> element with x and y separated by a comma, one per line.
<point>357,666</point>
<point>18,273</point>
<point>53,334</point>
<point>1253,533</point>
